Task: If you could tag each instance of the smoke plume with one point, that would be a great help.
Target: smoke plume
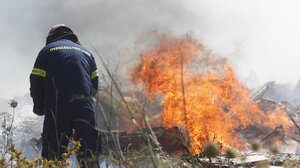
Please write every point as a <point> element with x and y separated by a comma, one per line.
<point>259,37</point>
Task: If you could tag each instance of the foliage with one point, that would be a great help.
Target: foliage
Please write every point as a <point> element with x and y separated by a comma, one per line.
<point>231,153</point>
<point>255,145</point>
<point>211,150</point>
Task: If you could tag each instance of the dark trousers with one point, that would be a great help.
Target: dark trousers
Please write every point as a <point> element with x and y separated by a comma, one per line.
<point>76,121</point>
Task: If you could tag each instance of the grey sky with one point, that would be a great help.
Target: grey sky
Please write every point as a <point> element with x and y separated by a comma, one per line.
<point>258,37</point>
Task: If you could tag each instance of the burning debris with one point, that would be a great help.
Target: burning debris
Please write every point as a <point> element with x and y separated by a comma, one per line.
<point>202,101</point>
<point>208,100</point>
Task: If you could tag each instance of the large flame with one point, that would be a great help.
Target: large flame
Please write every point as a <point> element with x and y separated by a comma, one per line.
<point>200,93</point>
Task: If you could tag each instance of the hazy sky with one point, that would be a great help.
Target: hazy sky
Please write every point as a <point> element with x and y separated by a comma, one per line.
<point>260,37</point>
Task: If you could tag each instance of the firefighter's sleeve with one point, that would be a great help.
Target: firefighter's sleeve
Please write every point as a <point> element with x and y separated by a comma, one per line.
<point>37,81</point>
<point>94,76</point>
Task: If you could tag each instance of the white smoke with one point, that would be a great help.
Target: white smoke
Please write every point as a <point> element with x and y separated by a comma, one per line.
<point>258,36</point>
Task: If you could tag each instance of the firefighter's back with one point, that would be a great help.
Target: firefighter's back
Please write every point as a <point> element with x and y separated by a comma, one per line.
<point>68,72</point>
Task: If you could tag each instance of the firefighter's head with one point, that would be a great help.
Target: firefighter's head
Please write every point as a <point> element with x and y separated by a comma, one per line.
<point>61,31</point>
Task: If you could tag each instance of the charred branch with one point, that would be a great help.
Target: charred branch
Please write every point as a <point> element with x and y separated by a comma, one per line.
<point>278,131</point>
<point>294,122</point>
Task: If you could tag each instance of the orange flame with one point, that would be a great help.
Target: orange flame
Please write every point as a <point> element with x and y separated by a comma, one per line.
<point>212,104</point>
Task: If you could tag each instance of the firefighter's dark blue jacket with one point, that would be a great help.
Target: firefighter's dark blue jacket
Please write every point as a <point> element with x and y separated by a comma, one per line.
<point>64,72</point>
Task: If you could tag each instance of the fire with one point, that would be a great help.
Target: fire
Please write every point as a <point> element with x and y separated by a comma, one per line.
<point>199,92</point>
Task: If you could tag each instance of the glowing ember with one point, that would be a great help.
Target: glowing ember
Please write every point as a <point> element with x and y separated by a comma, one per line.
<point>201,93</point>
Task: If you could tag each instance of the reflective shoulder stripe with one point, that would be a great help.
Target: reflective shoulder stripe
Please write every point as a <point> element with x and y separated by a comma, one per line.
<point>95,74</point>
<point>39,72</point>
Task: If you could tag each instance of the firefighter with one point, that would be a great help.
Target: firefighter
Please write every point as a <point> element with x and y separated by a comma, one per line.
<point>63,82</point>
